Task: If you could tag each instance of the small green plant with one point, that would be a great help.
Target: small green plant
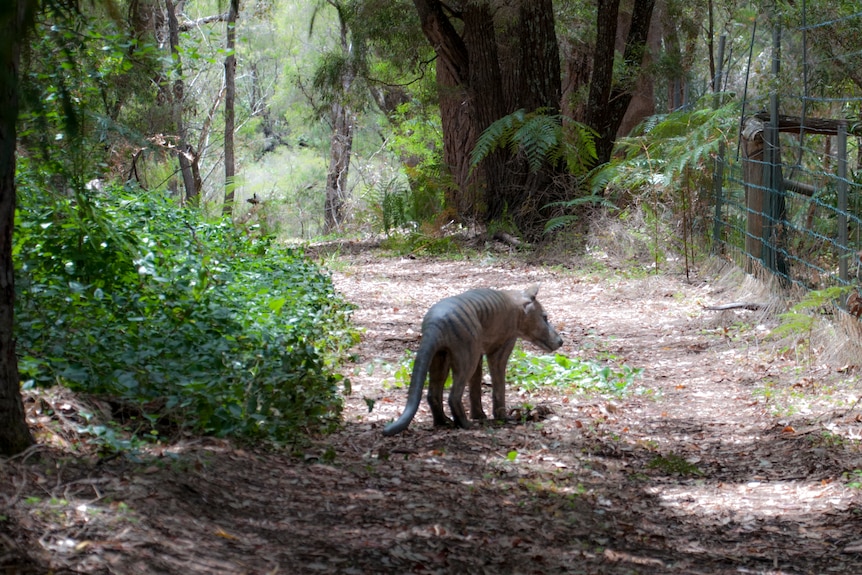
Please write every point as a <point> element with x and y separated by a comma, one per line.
<point>801,319</point>
<point>404,371</point>
<point>854,479</point>
<point>113,438</point>
<point>766,391</point>
<point>401,374</point>
<point>419,244</point>
<point>833,440</point>
<point>674,464</point>
<point>531,372</point>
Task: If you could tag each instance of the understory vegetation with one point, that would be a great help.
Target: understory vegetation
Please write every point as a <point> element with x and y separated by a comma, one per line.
<point>185,323</point>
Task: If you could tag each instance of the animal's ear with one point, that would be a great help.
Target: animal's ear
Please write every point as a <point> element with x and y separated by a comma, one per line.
<point>529,299</point>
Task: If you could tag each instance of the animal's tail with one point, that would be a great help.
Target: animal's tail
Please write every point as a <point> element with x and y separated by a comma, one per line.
<point>421,365</point>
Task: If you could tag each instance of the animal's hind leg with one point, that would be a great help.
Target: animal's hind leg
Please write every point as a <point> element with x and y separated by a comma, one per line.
<point>437,372</point>
<point>461,371</point>
<point>476,411</point>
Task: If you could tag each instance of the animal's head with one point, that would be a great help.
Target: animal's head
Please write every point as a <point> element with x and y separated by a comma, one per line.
<point>535,327</point>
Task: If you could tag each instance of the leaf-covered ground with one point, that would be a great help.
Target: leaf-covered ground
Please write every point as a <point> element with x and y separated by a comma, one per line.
<point>726,456</point>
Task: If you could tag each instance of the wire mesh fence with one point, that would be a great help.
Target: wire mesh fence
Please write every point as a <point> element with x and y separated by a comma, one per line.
<point>789,198</point>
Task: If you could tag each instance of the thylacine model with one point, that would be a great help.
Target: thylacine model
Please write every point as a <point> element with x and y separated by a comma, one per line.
<point>456,332</point>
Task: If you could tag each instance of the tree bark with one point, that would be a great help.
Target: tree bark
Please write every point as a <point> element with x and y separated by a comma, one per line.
<point>609,97</point>
<point>185,153</point>
<point>540,89</point>
<point>505,58</point>
<point>229,109</point>
<point>340,148</point>
<point>15,19</point>
<point>541,85</point>
<point>642,104</point>
<point>459,134</point>
<point>341,143</point>
<point>488,181</point>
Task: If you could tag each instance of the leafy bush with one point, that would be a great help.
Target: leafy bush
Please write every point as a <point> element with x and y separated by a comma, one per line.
<point>128,295</point>
<point>417,141</point>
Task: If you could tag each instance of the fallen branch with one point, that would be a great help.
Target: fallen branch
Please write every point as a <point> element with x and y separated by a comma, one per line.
<point>509,239</point>
<point>187,25</point>
<point>736,305</point>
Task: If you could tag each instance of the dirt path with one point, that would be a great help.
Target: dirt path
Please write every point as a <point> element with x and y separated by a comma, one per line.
<point>702,469</point>
<point>696,474</point>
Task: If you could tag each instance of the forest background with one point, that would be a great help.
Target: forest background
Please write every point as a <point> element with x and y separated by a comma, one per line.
<point>167,152</point>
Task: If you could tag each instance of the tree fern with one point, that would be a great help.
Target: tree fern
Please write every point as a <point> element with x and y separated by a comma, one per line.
<point>541,137</point>
<point>540,140</point>
<point>497,135</point>
<point>666,144</point>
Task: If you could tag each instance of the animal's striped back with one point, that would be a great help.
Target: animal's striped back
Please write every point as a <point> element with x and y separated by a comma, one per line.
<point>461,317</point>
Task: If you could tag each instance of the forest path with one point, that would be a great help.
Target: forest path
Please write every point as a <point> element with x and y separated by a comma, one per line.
<point>701,467</point>
<point>697,471</point>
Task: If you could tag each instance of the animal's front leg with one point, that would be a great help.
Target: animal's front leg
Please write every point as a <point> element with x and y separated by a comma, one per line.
<point>497,361</point>
<point>437,373</point>
<point>476,410</point>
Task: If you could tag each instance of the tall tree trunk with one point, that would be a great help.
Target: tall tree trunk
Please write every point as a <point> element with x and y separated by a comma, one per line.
<point>540,88</point>
<point>15,19</point>
<point>642,104</point>
<point>340,148</point>
<point>609,97</point>
<point>341,143</point>
<point>185,152</point>
<point>491,69</point>
<point>485,87</point>
<point>459,134</point>
<point>541,85</point>
<point>601,81</point>
<point>229,105</point>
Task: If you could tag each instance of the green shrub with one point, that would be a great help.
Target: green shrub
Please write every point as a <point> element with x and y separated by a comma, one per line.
<point>128,295</point>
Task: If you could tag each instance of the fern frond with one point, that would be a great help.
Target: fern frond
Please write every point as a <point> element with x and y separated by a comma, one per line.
<point>591,199</point>
<point>495,136</point>
<point>579,150</point>
<point>541,137</point>
<point>559,222</point>
<point>665,145</point>
<point>602,176</point>
<point>564,220</point>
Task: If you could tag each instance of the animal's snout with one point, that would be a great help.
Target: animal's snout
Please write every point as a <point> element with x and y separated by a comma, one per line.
<point>553,341</point>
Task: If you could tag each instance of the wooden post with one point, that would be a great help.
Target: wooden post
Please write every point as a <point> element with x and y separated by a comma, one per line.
<point>718,172</point>
<point>775,206</point>
<point>752,169</point>
<point>841,188</point>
